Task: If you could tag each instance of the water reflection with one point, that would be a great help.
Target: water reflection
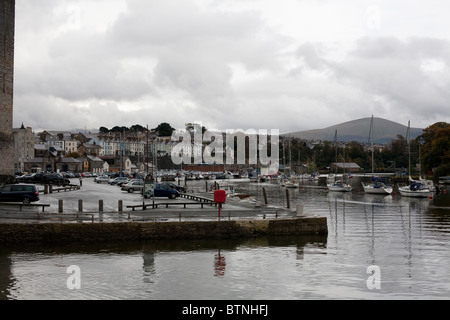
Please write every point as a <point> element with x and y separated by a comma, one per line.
<point>219,265</point>
<point>111,270</point>
<point>406,237</point>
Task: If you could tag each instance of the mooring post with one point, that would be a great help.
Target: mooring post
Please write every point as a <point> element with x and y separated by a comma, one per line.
<point>80,205</point>
<point>60,206</point>
<point>287,199</point>
<point>100,205</point>
<point>265,195</point>
<point>120,206</point>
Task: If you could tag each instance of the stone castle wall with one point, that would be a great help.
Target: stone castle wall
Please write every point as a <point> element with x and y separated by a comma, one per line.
<point>7,27</point>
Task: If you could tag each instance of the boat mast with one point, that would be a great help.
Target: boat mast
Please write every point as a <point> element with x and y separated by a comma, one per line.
<point>335,147</point>
<point>371,143</point>
<point>408,138</point>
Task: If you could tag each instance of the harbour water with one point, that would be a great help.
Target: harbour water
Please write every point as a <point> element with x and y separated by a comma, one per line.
<point>404,241</point>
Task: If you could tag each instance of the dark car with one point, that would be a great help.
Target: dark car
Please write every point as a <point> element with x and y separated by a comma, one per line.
<point>163,190</point>
<point>175,186</point>
<point>55,178</point>
<point>25,193</point>
<point>36,177</point>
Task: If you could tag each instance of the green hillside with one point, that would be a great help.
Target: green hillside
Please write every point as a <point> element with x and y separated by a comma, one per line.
<point>358,130</point>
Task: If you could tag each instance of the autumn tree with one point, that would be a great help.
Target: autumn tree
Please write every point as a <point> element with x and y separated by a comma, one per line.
<point>435,151</point>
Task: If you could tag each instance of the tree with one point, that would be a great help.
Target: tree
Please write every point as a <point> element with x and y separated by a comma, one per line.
<point>138,128</point>
<point>164,129</point>
<point>103,130</point>
<point>119,129</point>
<point>435,151</point>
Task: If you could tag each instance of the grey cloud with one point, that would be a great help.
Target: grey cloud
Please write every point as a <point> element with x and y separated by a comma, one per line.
<point>392,68</point>
<point>175,61</point>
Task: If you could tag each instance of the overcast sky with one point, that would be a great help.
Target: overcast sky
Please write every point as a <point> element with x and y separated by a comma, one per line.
<point>291,65</point>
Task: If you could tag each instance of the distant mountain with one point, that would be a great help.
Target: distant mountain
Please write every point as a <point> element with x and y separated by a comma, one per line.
<point>358,130</point>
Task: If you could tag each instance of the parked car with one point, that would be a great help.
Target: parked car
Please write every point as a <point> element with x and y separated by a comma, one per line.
<point>121,183</point>
<point>175,186</point>
<point>163,190</point>
<point>25,193</point>
<point>55,178</point>
<point>25,177</point>
<point>118,180</point>
<point>36,177</point>
<point>133,185</point>
<point>101,179</point>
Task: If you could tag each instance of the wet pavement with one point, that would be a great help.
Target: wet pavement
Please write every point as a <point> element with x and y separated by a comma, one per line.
<point>117,206</point>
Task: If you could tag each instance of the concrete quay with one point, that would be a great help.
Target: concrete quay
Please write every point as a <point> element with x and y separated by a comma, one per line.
<point>156,224</point>
<point>123,231</point>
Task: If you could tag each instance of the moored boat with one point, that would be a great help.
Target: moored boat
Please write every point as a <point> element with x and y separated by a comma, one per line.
<point>415,189</point>
<point>444,180</point>
<point>339,185</point>
<point>377,187</point>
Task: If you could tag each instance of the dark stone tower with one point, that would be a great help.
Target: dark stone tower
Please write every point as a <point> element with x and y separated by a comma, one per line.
<point>7,26</point>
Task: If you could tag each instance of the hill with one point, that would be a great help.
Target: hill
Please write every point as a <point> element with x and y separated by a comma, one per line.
<point>358,130</point>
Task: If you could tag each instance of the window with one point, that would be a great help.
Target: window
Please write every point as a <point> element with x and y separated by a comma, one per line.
<point>17,188</point>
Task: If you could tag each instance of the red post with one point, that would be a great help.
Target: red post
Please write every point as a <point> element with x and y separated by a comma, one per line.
<point>220,196</point>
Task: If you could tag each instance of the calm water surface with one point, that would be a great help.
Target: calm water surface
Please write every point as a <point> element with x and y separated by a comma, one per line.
<point>406,238</point>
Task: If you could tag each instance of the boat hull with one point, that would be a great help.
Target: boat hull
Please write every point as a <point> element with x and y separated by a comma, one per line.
<point>444,180</point>
<point>344,188</point>
<point>377,190</point>
<point>406,192</point>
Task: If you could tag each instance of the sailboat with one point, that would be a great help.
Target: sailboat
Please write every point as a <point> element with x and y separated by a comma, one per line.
<point>377,186</point>
<point>332,183</point>
<point>415,188</point>
<point>288,182</point>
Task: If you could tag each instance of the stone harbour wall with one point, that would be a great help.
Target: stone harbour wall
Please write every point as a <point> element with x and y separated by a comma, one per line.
<point>123,231</point>
<point>7,27</point>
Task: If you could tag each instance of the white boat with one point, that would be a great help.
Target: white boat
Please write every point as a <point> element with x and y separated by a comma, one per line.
<point>339,185</point>
<point>332,183</point>
<point>428,183</point>
<point>415,189</point>
<point>376,187</point>
<point>421,188</point>
<point>290,184</point>
<point>444,180</point>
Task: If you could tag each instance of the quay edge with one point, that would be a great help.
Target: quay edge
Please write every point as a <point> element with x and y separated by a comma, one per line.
<point>188,230</point>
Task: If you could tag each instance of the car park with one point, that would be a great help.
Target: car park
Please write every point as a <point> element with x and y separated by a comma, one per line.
<point>25,193</point>
<point>133,185</point>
